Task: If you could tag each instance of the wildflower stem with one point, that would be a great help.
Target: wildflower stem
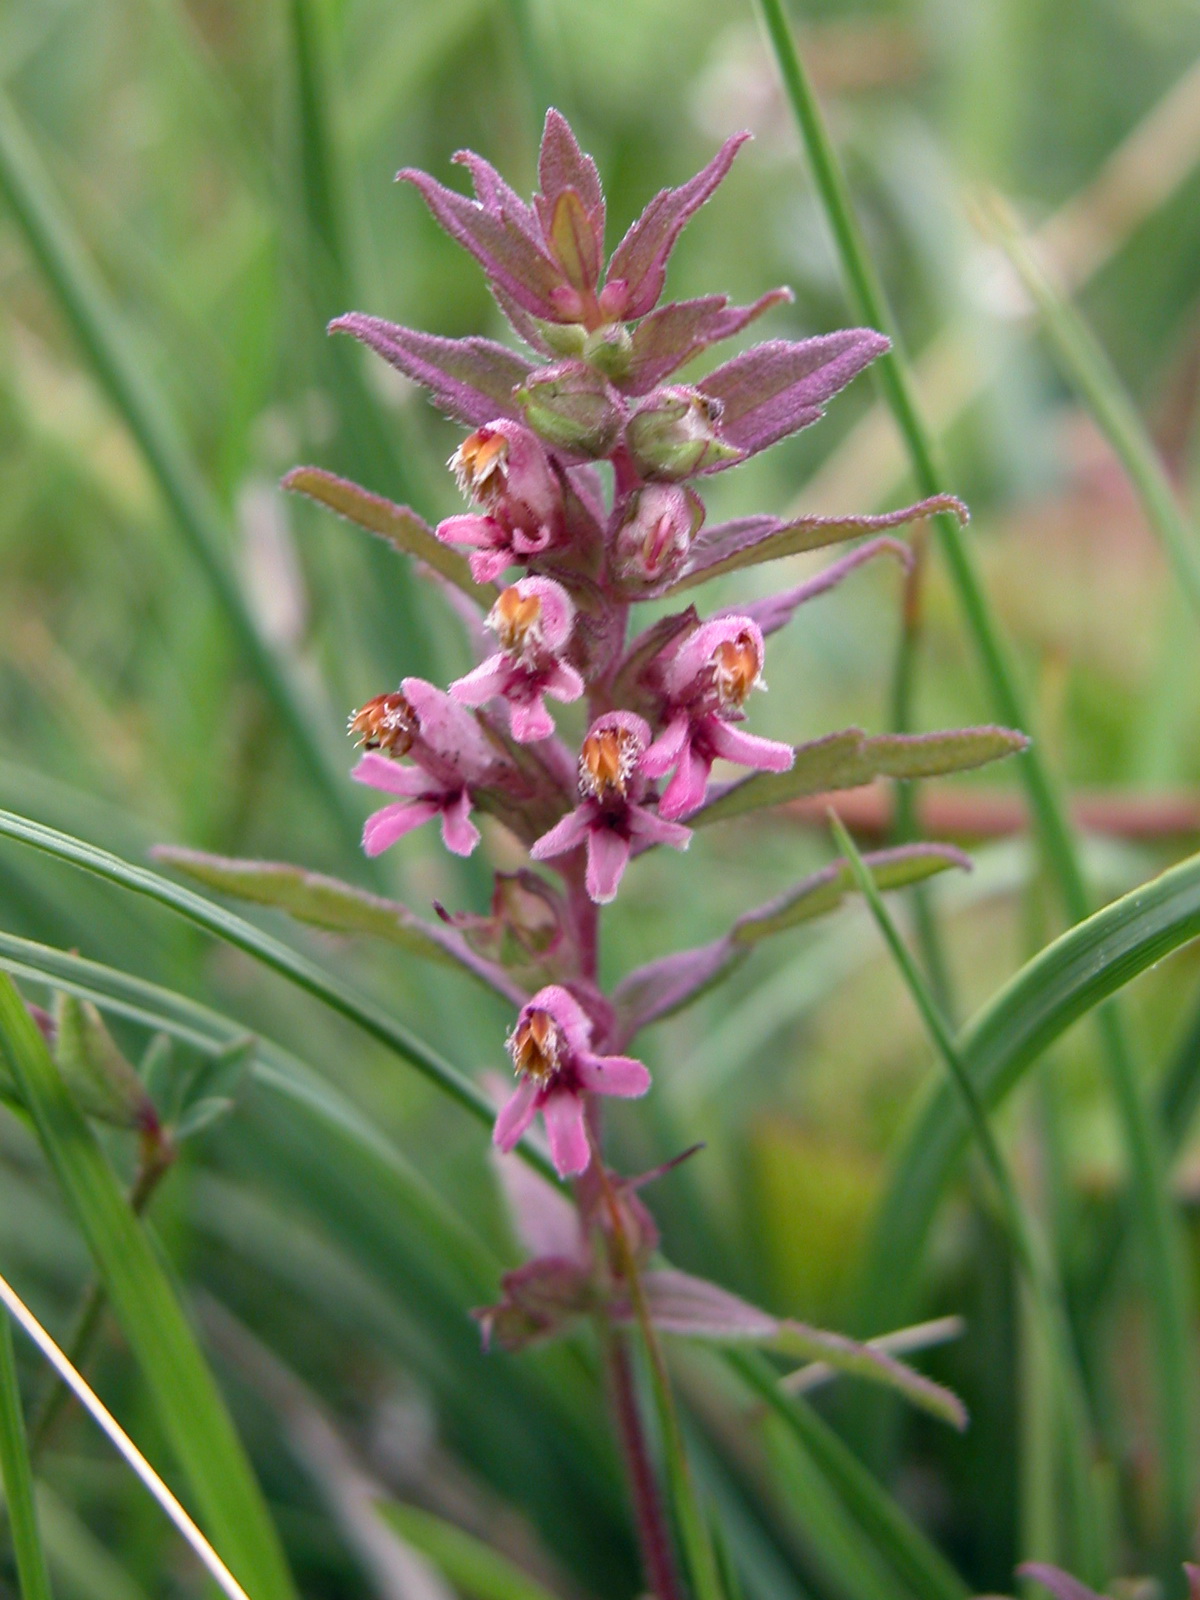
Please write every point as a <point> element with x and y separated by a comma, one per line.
<point>701,1559</point>
<point>653,1532</point>
<point>1169,1295</point>
<point>1033,1259</point>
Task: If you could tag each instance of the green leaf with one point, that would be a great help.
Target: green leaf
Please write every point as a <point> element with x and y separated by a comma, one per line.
<point>402,528</point>
<point>883,1522</point>
<point>825,890</point>
<point>1062,983</point>
<point>474,1568</point>
<point>339,907</point>
<point>848,759</point>
<point>875,1365</point>
<point>272,953</point>
<point>18,1477</point>
<point>190,1408</point>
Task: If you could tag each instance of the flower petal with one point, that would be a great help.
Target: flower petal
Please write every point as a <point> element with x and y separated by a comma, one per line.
<point>563,836</point>
<point>483,684</point>
<point>568,1137</point>
<point>667,749</point>
<point>607,858</point>
<point>651,829</point>
<point>566,1011</point>
<point>749,749</point>
<point>619,1075</point>
<point>459,833</point>
<point>529,720</point>
<point>515,1115</point>
<point>687,788</point>
<point>563,682</point>
<point>381,772</point>
<point>383,828</point>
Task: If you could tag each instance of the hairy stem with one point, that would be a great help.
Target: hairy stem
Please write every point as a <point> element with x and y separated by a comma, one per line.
<point>653,1532</point>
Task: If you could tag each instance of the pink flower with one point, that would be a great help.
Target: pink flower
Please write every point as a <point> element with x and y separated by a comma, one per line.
<point>707,682</point>
<point>450,752</point>
<point>550,1049</point>
<point>505,469</point>
<point>609,818</point>
<point>533,619</point>
<point>653,541</point>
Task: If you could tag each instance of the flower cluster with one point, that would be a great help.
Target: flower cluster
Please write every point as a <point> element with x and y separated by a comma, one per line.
<point>560,562</point>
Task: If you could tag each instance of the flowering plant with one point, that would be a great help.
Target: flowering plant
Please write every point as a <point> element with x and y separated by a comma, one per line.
<point>556,558</point>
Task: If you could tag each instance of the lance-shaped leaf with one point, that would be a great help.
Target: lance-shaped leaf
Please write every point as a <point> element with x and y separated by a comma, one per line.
<point>562,165</point>
<point>402,528</point>
<point>640,260</point>
<point>778,387</point>
<point>662,987</point>
<point>777,610</point>
<point>825,890</point>
<point>338,907</point>
<point>681,1304</point>
<point>846,760</point>
<point>672,335</point>
<point>471,379</point>
<point>729,546</point>
<point>499,233</point>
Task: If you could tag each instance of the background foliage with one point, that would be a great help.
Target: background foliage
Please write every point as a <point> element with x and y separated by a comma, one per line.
<point>226,172</point>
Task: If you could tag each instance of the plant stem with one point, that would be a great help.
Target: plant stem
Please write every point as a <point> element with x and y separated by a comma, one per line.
<point>1169,1298</point>
<point>17,1475</point>
<point>653,1532</point>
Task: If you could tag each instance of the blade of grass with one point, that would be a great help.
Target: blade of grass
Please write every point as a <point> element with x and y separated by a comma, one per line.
<point>96,324</point>
<point>1032,1255</point>
<point>1169,1292</point>
<point>474,1568</point>
<point>290,964</point>
<point>188,1402</point>
<point>125,1446</point>
<point>921,1565</point>
<point>1091,374</point>
<point>18,1477</point>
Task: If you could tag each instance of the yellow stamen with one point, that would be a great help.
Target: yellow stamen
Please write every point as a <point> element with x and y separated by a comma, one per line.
<point>606,763</point>
<point>515,619</point>
<point>478,464</point>
<point>737,668</point>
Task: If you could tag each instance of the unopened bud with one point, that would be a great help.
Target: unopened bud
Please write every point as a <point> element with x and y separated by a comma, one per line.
<point>571,405</point>
<point>102,1081</point>
<point>610,349</point>
<point>675,434</point>
<point>652,543</point>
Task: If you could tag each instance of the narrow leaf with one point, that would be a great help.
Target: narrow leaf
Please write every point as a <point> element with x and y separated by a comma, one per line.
<point>17,1475</point>
<point>402,528</point>
<point>474,1568</point>
<point>191,1411</point>
<point>339,907</point>
<point>846,760</point>
<point>825,890</point>
<point>729,546</point>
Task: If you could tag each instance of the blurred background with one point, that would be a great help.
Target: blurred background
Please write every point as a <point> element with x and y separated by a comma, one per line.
<point>218,176</point>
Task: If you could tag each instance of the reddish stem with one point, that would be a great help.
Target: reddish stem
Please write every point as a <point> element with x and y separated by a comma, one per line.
<point>653,1534</point>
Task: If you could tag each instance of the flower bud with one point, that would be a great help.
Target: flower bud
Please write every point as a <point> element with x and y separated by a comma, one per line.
<point>675,434</point>
<point>652,543</point>
<point>610,350</point>
<point>505,468</point>
<point>104,1084</point>
<point>570,405</point>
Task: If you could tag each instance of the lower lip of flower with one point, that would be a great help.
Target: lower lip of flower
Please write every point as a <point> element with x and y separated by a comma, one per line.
<point>386,723</point>
<point>536,1047</point>
<point>606,763</point>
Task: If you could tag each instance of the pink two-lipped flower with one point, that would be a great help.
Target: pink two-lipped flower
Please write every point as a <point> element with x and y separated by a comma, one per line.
<point>504,468</point>
<point>609,818</point>
<point>552,1055</point>
<point>533,619</point>
<point>449,753</point>
<point>707,682</point>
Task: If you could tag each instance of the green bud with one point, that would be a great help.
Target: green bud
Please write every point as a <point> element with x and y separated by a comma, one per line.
<point>93,1068</point>
<point>675,434</point>
<point>564,338</point>
<point>571,405</point>
<point>609,350</point>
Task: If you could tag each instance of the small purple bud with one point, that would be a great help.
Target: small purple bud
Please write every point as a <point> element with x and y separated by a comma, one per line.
<point>571,406</point>
<point>675,434</point>
<point>653,541</point>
